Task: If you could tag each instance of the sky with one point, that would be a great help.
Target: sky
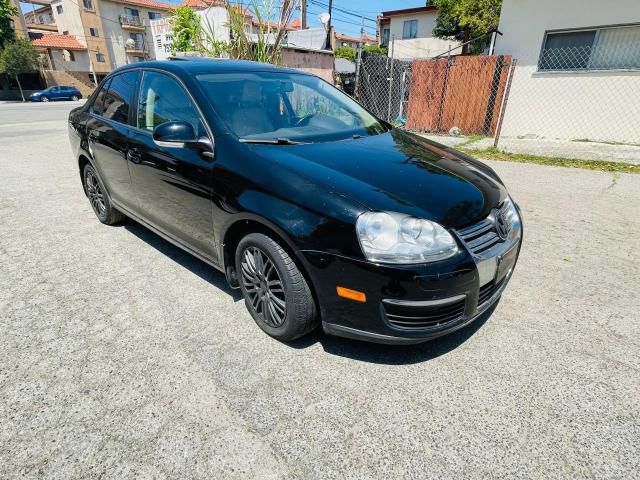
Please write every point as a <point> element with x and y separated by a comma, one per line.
<point>347,23</point>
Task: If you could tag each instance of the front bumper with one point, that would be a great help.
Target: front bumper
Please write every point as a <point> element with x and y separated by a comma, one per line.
<point>408,304</point>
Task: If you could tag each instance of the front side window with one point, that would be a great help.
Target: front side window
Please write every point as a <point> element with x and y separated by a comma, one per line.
<point>98,104</point>
<point>410,29</point>
<point>119,96</point>
<point>270,106</point>
<point>591,49</point>
<point>162,99</point>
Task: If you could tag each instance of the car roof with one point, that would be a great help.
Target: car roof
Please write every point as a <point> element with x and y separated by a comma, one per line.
<point>199,65</point>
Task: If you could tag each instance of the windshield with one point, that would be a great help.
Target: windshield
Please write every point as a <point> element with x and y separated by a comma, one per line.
<point>264,106</point>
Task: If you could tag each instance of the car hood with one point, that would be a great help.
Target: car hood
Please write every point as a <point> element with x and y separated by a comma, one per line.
<point>398,171</point>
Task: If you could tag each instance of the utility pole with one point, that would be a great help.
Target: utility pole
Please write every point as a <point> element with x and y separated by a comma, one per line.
<point>303,13</point>
<point>359,60</point>
<point>329,46</point>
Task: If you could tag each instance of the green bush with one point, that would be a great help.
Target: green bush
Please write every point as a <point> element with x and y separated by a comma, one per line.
<point>346,52</point>
<point>375,49</point>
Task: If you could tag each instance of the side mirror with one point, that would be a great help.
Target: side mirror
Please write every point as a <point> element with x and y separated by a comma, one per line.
<point>174,134</point>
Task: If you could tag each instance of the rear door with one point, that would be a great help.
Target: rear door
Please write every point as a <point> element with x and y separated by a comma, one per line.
<point>173,184</point>
<point>108,130</point>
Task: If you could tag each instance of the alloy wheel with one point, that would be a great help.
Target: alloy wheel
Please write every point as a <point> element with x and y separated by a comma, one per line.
<point>74,98</point>
<point>264,287</point>
<point>94,192</point>
<point>45,99</point>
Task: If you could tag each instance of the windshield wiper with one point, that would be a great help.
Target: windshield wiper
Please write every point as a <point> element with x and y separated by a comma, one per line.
<point>271,141</point>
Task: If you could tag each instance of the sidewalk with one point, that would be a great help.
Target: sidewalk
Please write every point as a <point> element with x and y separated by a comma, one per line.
<point>549,148</point>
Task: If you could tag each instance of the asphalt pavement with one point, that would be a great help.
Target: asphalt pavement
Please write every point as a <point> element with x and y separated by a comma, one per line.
<point>123,357</point>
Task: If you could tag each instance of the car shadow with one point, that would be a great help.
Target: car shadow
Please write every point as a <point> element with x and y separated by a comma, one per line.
<point>185,259</point>
<point>393,354</point>
<point>343,347</point>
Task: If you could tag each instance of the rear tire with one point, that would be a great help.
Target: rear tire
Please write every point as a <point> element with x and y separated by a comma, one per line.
<point>275,291</point>
<point>99,198</point>
<point>74,98</point>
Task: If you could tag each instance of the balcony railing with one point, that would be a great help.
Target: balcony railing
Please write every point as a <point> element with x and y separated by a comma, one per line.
<point>130,21</point>
<point>135,46</point>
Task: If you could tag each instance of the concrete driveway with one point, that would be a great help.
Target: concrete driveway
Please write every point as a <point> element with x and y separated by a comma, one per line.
<point>122,357</point>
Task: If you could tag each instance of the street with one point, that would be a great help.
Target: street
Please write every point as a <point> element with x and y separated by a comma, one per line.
<point>123,357</point>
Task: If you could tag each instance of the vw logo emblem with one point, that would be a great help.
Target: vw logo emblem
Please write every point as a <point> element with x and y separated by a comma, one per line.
<point>502,226</point>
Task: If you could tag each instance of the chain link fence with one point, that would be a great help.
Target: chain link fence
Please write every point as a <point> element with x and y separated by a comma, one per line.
<point>463,95</point>
<point>578,95</point>
<point>574,102</point>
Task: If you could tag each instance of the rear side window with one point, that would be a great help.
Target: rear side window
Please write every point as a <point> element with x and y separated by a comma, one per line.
<point>118,100</point>
<point>98,104</point>
<point>162,99</point>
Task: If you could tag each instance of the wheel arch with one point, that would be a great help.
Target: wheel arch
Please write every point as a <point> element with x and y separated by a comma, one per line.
<point>83,161</point>
<point>248,223</point>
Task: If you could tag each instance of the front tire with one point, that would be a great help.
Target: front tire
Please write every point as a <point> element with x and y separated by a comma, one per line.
<point>74,98</point>
<point>275,291</point>
<point>44,99</point>
<point>98,197</point>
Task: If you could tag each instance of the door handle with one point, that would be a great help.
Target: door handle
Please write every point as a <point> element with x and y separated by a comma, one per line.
<point>134,156</point>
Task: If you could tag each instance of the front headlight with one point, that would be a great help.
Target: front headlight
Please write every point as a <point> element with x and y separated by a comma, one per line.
<point>388,237</point>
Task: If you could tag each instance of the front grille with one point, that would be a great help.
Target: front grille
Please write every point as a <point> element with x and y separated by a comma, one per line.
<point>482,235</point>
<point>423,316</point>
<point>487,291</point>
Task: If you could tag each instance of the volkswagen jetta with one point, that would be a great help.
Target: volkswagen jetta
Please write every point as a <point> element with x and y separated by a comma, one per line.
<point>319,212</point>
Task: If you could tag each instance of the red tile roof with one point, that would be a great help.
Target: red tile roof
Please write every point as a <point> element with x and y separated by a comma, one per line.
<point>202,4</point>
<point>149,3</point>
<point>295,25</point>
<point>347,38</point>
<point>55,41</point>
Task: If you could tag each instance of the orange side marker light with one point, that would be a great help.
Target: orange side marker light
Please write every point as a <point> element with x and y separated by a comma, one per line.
<point>351,294</point>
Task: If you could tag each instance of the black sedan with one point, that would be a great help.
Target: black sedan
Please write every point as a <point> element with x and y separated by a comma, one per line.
<point>319,212</point>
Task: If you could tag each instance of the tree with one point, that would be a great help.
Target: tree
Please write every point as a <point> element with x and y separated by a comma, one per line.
<point>186,31</point>
<point>18,57</point>
<point>466,19</point>
<point>346,52</point>
<point>7,11</point>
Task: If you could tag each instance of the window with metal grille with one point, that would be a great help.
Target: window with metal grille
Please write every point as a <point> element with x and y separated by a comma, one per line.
<point>599,48</point>
<point>410,29</point>
<point>100,57</point>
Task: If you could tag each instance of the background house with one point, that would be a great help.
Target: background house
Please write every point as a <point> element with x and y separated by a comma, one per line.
<point>411,30</point>
<point>578,69</point>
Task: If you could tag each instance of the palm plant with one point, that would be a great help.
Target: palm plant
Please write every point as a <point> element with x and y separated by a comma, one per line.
<point>271,20</point>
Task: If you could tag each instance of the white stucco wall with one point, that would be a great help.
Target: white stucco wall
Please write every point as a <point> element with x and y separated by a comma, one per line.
<point>116,36</point>
<point>69,20</point>
<point>80,63</point>
<point>592,105</point>
<point>425,45</point>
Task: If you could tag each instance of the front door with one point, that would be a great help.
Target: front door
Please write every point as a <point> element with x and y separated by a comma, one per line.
<point>173,185</point>
<point>109,131</point>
